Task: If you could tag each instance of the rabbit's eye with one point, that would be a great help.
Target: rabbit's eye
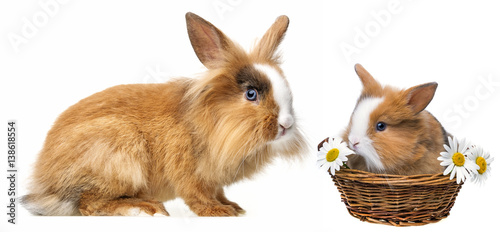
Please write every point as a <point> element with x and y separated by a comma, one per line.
<point>251,94</point>
<point>381,126</point>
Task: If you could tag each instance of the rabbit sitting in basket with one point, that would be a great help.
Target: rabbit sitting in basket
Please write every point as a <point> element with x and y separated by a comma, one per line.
<point>391,132</point>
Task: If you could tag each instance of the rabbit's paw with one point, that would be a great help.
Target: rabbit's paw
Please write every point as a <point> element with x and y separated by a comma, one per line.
<point>238,208</point>
<point>141,213</point>
<point>217,211</point>
<point>136,212</point>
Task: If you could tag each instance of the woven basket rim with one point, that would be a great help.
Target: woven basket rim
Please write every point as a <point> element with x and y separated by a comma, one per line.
<point>393,180</point>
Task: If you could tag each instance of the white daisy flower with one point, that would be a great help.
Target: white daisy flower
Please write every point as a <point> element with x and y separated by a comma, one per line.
<point>483,160</point>
<point>332,155</point>
<point>456,161</point>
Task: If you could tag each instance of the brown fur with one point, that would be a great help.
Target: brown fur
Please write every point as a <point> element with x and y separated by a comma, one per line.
<point>135,146</point>
<point>413,139</point>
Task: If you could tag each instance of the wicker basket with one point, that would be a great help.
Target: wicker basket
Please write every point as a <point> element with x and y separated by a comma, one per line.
<point>396,200</point>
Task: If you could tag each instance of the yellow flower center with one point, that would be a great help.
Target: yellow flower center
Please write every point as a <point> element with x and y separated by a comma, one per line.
<point>482,164</point>
<point>458,159</point>
<point>332,155</point>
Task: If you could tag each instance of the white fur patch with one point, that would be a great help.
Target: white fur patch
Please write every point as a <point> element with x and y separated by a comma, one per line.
<point>358,134</point>
<point>137,212</point>
<point>51,205</point>
<point>282,95</point>
<point>159,215</point>
<point>67,208</point>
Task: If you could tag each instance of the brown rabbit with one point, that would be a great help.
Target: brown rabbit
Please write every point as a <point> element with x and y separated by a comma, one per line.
<point>390,131</point>
<point>127,149</point>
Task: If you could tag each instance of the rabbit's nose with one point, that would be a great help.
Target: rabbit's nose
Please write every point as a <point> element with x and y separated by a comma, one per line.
<point>353,142</point>
<point>286,121</point>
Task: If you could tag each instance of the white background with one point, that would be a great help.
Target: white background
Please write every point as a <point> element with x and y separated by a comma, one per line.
<point>83,47</point>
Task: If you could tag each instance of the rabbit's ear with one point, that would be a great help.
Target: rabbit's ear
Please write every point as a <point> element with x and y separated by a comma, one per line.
<point>208,42</point>
<point>420,96</point>
<point>370,85</point>
<point>268,44</point>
